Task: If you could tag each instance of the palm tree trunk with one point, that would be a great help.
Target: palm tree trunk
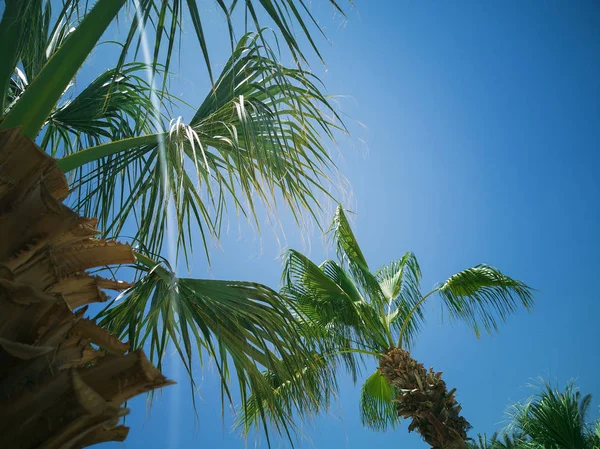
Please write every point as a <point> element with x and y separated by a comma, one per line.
<point>64,378</point>
<point>422,396</point>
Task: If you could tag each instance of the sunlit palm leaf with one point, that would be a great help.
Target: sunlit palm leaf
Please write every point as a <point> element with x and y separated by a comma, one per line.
<point>377,411</point>
<point>399,282</point>
<point>481,295</point>
<point>165,18</point>
<point>260,131</point>
<point>370,314</point>
<point>350,252</point>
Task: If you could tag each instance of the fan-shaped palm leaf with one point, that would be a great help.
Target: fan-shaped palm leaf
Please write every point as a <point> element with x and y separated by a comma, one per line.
<point>481,295</point>
<point>244,327</point>
<point>259,130</point>
<point>306,394</point>
<point>165,18</point>
<point>377,411</point>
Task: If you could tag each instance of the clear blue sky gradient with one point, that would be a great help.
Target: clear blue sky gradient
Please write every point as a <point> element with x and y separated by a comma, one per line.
<point>482,123</point>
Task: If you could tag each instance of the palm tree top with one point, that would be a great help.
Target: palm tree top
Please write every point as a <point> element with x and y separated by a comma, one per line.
<point>354,312</point>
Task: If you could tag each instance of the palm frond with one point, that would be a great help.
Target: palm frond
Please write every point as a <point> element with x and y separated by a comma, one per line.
<point>37,42</point>
<point>101,113</point>
<point>244,327</point>
<point>349,252</point>
<point>482,442</point>
<point>44,36</point>
<point>259,131</point>
<point>294,400</point>
<point>377,411</point>
<point>327,296</point>
<point>482,295</point>
<point>403,275</point>
<point>32,109</point>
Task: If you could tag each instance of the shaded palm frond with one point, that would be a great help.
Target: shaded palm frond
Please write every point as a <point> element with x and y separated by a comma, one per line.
<point>32,109</point>
<point>481,295</point>
<point>102,113</point>
<point>44,35</point>
<point>38,41</point>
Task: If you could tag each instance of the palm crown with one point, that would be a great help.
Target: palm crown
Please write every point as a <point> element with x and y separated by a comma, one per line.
<point>359,313</point>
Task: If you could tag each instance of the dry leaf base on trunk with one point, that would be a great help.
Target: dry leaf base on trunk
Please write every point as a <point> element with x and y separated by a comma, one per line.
<point>424,399</point>
<point>63,379</point>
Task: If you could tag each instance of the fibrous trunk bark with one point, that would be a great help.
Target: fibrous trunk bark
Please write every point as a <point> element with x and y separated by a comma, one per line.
<point>422,397</point>
<point>63,379</point>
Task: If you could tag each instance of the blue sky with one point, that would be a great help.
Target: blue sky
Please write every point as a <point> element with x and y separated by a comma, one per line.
<point>481,130</point>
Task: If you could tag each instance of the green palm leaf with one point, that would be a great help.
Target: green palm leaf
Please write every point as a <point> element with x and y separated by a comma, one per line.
<point>399,282</point>
<point>243,326</point>
<point>35,105</point>
<point>260,130</point>
<point>328,297</point>
<point>101,112</point>
<point>363,313</point>
<point>481,295</point>
<point>37,43</point>
<point>306,394</point>
<point>377,411</point>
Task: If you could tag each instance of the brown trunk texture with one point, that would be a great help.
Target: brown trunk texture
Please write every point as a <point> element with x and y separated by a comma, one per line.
<point>423,398</point>
<point>63,379</point>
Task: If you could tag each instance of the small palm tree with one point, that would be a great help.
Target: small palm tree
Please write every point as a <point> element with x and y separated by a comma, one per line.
<point>360,313</point>
<point>551,419</point>
<point>259,134</point>
<point>554,419</point>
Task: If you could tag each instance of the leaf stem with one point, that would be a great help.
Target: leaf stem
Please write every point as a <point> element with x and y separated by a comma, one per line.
<point>406,321</point>
<point>75,160</point>
<point>160,271</point>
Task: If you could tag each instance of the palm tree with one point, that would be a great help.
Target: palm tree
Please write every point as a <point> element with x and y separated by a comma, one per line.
<point>551,419</point>
<point>359,313</point>
<point>556,419</point>
<point>259,134</point>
